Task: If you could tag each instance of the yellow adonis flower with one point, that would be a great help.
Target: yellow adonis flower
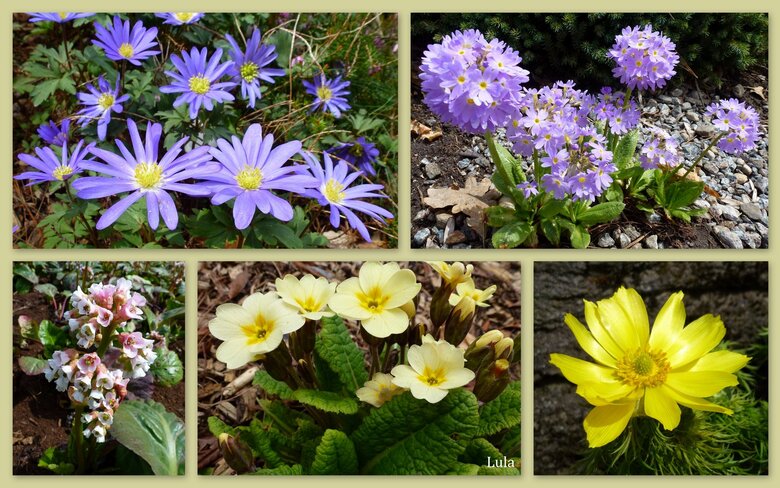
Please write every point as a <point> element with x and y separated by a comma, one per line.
<point>639,371</point>
<point>309,295</point>
<point>379,298</point>
<point>468,290</point>
<point>454,273</point>
<point>255,327</point>
<point>379,389</point>
<point>435,367</point>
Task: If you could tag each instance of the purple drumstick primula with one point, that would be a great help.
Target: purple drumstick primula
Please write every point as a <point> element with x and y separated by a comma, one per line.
<point>249,66</point>
<point>645,58</point>
<point>738,122</point>
<point>251,170</point>
<point>145,175</point>
<point>121,43</point>
<point>52,167</point>
<point>198,80</point>
<point>99,103</point>
<point>329,95</point>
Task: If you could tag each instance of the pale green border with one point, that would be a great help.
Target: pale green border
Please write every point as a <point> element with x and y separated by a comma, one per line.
<point>191,257</point>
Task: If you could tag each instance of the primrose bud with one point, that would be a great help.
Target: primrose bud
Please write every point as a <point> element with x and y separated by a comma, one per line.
<point>302,340</point>
<point>415,334</point>
<point>237,454</point>
<point>440,304</point>
<point>492,380</point>
<point>504,347</point>
<point>459,322</point>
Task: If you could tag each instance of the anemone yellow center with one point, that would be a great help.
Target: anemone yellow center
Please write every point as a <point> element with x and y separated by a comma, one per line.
<point>374,300</point>
<point>324,93</point>
<point>126,50</point>
<point>643,368</point>
<point>106,101</point>
<point>258,331</point>
<point>62,172</point>
<point>249,71</point>
<point>432,377</point>
<point>333,191</point>
<point>148,175</point>
<point>199,84</point>
<point>62,15</point>
<point>249,178</point>
<point>356,150</point>
<point>184,16</point>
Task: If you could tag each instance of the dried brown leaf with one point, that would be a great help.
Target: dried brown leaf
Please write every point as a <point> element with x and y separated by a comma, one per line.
<point>424,132</point>
<point>471,200</point>
<point>758,90</point>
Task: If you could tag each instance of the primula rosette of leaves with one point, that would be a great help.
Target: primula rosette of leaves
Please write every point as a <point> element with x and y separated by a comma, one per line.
<point>332,188</point>
<point>121,43</point>
<point>377,297</point>
<point>639,371</point>
<point>470,82</point>
<point>249,66</point>
<point>99,103</point>
<point>738,123</point>
<point>52,167</point>
<point>435,367</point>
<point>309,295</point>
<point>661,150</point>
<point>198,80</point>
<point>180,18</point>
<point>361,154</point>
<point>54,134</point>
<point>379,389</point>
<point>252,169</point>
<point>145,175</point>
<point>645,58</point>
<point>329,95</point>
<point>254,328</point>
<point>58,17</point>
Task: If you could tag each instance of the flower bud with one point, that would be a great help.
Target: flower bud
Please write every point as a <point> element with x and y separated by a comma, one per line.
<point>302,340</point>
<point>503,348</point>
<point>492,380</point>
<point>460,320</point>
<point>440,305</point>
<point>415,334</point>
<point>236,453</point>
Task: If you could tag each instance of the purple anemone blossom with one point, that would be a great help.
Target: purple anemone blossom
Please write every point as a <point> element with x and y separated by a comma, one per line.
<point>249,67</point>
<point>251,169</point>
<point>180,18</point>
<point>52,167</point>
<point>54,134</point>
<point>333,189</point>
<point>360,153</point>
<point>329,95</point>
<point>143,174</point>
<point>58,17</point>
<point>198,80</point>
<point>120,43</point>
<point>99,103</point>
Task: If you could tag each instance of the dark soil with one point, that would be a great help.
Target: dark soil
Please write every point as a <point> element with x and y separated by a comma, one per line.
<point>737,291</point>
<point>41,415</point>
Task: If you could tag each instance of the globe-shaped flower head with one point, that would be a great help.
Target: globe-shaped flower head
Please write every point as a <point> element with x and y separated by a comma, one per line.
<point>250,66</point>
<point>121,43</point>
<point>737,122</point>
<point>198,80</point>
<point>645,58</point>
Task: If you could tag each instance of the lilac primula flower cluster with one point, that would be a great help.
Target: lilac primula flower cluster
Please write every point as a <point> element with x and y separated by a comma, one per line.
<point>738,122</point>
<point>99,384</point>
<point>470,82</point>
<point>645,58</point>
<point>661,150</point>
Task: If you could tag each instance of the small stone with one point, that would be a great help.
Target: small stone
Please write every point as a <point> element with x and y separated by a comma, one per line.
<point>728,238</point>
<point>449,228</point>
<point>705,130</point>
<point>751,210</point>
<point>654,218</point>
<point>624,241</point>
<point>701,203</point>
<point>762,184</point>
<point>422,215</point>
<point>432,170</point>
<point>741,179</point>
<point>421,235</point>
<point>716,211</point>
<point>710,168</point>
<point>464,163</point>
<point>605,240</point>
<point>686,106</point>
<point>442,219</point>
<point>730,213</point>
<point>456,237</point>
<point>752,240</point>
<point>692,116</point>
<point>677,92</point>
<point>746,169</point>
<point>739,91</point>
<point>651,242</point>
<point>631,232</point>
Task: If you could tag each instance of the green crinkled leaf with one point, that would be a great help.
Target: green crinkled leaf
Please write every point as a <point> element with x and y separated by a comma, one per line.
<point>293,470</point>
<point>31,365</point>
<point>463,469</point>
<point>551,208</point>
<point>335,455</point>
<point>683,193</point>
<point>601,213</point>
<point>147,429</point>
<point>624,151</point>
<point>272,385</point>
<point>265,443</point>
<point>217,427</point>
<point>327,401</point>
<point>337,348</point>
<point>551,230</point>
<point>411,436</point>
<point>498,216</point>
<point>481,452</point>
<point>512,235</point>
<point>283,418</point>
<point>503,160</point>
<point>501,413</point>
<point>490,470</point>
<point>167,368</point>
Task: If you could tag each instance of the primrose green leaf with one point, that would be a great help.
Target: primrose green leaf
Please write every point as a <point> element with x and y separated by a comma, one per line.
<point>501,413</point>
<point>498,216</point>
<point>463,469</point>
<point>272,385</point>
<point>601,213</point>
<point>147,429</point>
<point>498,471</point>
<point>335,455</point>
<point>217,427</point>
<point>580,238</point>
<point>293,470</point>
<point>335,346</point>
<point>411,436</point>
<point>327,401</point>
<point>167,368</point>
<point>479,450</point>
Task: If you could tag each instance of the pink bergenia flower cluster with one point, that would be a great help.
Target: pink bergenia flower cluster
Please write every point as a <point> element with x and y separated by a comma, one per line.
<point>137,354</point>
<point>645,58</point>
<point>103,307</point>
<point>738,122</point>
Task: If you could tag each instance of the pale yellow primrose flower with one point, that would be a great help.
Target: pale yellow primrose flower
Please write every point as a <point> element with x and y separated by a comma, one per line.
<point>435,367</point>
<point>309,295</point>
<point>379,389</point>
<point>255,327</point>
<point>467,289</point>
<point>377,298</point>
<point>452,273</point>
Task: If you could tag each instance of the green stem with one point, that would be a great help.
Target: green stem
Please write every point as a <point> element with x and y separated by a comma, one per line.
<point>78,433</point>
<point>701,154</point>
<point>105,341</point>
<point>93,235</point>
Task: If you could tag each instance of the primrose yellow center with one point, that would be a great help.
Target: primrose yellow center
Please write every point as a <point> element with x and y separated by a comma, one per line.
<point>643,368</point>
<point>258,331</point>
<point>324,93</point>
<point>432,378</point>
<point>184,16</point>
<point>148,175</point>
<point>333,191</point>
<point>374,301</point>
<point>249,178</point>
<point>309,304</point>
<point>106,101</point>
<point>62,171</point>
<point>249,71</point>
<point>126,50</point>
<point>199,84</point>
